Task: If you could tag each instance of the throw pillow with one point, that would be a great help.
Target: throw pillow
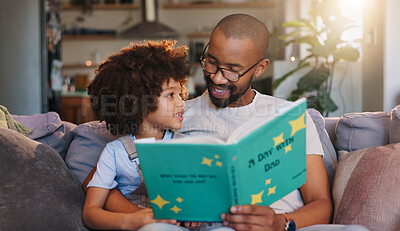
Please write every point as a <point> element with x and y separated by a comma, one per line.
<point>85,149</point>
<point>330,157</point>
<point>362,130</point>
<point>395,125</point>
<point>366,188</point>
<point>37,190</point>
<point>48,128</point>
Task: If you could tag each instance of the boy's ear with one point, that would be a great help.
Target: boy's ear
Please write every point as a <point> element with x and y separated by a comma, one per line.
<point>264,64</point>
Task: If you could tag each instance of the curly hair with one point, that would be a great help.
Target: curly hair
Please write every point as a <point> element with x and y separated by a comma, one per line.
<point>127,84</point>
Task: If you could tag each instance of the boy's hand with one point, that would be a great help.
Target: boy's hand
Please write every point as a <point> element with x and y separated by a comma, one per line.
<point>141,218</point>
<point>253,217</point>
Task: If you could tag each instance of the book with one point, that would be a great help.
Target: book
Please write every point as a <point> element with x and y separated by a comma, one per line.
<point>198,178</point>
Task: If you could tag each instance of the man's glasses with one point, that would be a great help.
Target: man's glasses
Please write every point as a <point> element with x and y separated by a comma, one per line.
<point>211,68</point>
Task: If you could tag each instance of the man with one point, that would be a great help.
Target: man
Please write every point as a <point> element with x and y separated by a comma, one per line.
<point>234,56</point>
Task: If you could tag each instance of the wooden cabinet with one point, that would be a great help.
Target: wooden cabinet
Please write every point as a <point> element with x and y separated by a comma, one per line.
<point>76,108</point>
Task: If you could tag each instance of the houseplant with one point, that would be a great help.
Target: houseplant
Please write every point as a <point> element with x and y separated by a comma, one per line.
<point>322,34</point>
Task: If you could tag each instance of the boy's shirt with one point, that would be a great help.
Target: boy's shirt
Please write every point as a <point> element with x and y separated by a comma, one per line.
<point>115,169</point>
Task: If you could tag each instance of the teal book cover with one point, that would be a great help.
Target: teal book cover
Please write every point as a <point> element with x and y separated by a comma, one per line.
<point>200,177</point>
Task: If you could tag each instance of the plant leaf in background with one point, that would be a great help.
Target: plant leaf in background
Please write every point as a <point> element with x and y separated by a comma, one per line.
<point>314,79</point>
<point>326,48</point>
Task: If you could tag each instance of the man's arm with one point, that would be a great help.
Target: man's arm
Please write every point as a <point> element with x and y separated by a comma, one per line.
<point>317,207</point>
<point>115,202</point>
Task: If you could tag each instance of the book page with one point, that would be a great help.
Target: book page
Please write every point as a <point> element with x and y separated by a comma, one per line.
<point>252,125</point>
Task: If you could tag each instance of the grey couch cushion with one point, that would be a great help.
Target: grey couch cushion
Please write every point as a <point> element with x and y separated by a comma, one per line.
<point>37,190</point>
<point>362,130</point>
<point>85,149</point>
<point>395,125</point>
<point>48,128</point>
<point>330,157</point>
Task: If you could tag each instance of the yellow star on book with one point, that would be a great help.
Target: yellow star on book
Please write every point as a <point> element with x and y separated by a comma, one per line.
<point>268,181</point>
<point>257,198</point>
<point>218,163</point>
<point>297,124</point>
<point>288,148</point>
<point>216,156</point>
<point>176,209</point>
<point>279,139</point>
<point>179,199</point>
<point>207,161</point>
<point>271,190</point>
<point>159,201</point>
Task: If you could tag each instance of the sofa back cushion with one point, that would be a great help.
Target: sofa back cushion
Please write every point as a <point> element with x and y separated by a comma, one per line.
<point>330,157</point>
<point>395,125</point>
<point>362,130</point>
<point>37,190</point>
<point>48,128</point>
<point>366,188</point>
<point>85,149</point>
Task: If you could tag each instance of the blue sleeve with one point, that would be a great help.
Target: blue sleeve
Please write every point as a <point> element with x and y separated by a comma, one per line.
<point>104,177</point>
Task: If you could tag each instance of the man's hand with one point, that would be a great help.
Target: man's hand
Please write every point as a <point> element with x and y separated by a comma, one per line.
<point>253,217</point>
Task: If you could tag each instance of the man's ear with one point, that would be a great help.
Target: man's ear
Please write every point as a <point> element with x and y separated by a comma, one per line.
<point>264,64</point>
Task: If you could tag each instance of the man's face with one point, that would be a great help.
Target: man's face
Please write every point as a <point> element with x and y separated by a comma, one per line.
<point>234,55</point>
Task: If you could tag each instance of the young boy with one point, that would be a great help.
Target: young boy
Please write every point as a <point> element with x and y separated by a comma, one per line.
<point>138,93</point>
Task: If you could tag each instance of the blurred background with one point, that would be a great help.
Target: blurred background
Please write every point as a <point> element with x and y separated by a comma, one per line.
<point>50,48</point>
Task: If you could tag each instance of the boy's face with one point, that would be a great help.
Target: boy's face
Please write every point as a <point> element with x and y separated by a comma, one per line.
<point>169,109</point>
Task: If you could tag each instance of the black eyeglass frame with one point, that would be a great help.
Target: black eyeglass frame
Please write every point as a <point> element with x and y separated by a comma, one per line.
<point>202,59</point>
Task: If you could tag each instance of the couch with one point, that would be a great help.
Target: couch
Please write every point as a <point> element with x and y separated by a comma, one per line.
<point>41,174</point>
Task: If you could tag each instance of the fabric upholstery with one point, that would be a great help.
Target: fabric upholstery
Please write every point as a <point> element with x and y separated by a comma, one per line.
<point>330,157</point>
<point>395,125</point>
<point>366,188</point>
<point>362,130</point>
<point>37,190</point>
<point>48,129</point>
<point>85,149</point>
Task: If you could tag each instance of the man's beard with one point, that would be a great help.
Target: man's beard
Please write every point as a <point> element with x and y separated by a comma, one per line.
<point>233,97</point>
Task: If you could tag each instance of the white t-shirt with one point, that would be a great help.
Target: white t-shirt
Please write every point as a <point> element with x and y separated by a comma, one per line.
<point>202,117</point>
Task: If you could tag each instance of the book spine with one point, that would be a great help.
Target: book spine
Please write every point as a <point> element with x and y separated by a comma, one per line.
<point>233,176</point>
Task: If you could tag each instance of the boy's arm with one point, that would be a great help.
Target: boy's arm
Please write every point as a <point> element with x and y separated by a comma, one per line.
<point>316,197</point>
<point>115,201</point>
<point>96,217</point>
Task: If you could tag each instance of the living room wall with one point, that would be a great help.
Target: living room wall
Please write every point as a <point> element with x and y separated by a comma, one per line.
<point>20,57</point>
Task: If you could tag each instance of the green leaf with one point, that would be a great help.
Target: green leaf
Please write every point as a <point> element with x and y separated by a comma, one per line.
<point>347,53</point>
<point>312,102</point>
<point>325,100</point>
<point>289,35</point>
<point>320,50</point>
<point>295,95</point>
<point>278,81</point>
<point>296,24</point>
<point>308,39</point>
<point>314,79</point>
<point>309,24</point>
